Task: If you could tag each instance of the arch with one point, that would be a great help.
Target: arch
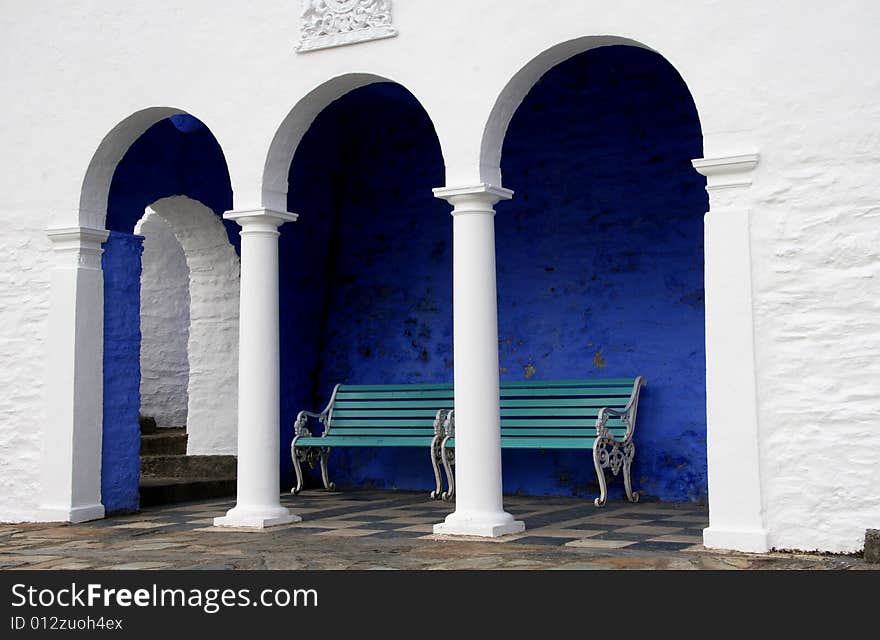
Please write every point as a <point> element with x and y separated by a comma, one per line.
<point>287,138</point>
<point>95,190</point>
<point>521,83</point>
<point>212,348</point>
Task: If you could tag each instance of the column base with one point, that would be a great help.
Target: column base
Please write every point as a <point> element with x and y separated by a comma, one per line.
<point>256,518</point>
<point>485,525</point>
<point>751,540</point>
<point>72,514</point>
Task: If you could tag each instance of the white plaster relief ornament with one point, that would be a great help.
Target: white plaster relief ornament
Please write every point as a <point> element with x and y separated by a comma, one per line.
<point>333,23</point>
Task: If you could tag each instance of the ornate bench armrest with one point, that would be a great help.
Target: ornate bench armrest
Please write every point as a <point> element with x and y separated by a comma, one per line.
<point>300,426</point>
<point>628,413</point>
<point>449,424</point>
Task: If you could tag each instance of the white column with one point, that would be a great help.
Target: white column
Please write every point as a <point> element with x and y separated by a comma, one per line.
<point>478,505</point>
<point>257,504</point>
<point>71,460</point>
<point>732,440</point>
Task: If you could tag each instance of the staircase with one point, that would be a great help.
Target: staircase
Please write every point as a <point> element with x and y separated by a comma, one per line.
<point>168,475</point>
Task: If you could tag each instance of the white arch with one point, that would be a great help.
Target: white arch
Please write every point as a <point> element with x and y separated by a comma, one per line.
<point>214,271</point>
<point>518,87</point>
<point>297,122</point>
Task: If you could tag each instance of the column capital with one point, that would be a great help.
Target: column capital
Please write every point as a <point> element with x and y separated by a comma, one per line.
<point>76,237</point>
<point>77,247</point>
<point>728,171</point>
<point>260,217</point>
<point>479,198</point>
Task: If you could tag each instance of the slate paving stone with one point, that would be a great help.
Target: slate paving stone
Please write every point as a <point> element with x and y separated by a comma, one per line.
<point>392,535</point>
<point>660,546</point>
<point>379,525</point>
<point>547,540</point>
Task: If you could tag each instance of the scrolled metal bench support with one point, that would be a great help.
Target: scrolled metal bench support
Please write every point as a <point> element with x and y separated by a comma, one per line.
<point>608,452</point>
<point>448,456</point>
<point>436,452</point>
<point>312,455</point>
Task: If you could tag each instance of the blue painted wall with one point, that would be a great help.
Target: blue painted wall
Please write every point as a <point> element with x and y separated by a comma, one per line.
<point>600,259</point>
<point>599,264</point>
<point>176,156</point>
<point>120,462</point>
<point>366,276</point>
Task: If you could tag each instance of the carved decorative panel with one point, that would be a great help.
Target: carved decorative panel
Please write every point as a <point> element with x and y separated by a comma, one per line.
<point>333,23</point>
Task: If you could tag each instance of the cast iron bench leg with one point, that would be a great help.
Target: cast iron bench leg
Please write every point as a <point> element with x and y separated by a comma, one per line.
<point>325,454</point>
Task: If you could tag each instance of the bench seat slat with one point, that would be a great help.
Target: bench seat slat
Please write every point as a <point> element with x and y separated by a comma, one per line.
<point>551,422</point>
<point>551,412</point>
<point>513,442</point>
<point>381,431</point>
<point>381,423</point>
<point>365,441</point>
<point>563,433</point>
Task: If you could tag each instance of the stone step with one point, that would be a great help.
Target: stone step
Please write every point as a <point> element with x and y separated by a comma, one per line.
<point>158,491</point>
<point>178,466</point>
<point>164,441</point>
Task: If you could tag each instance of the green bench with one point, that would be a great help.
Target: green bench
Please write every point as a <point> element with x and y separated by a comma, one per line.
<point>373,416</point>
<point>566,414</point>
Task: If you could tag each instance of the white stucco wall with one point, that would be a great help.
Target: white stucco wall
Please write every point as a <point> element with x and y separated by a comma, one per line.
<point>164,323</point>
<point>24,305</point>
<point>785,79</point>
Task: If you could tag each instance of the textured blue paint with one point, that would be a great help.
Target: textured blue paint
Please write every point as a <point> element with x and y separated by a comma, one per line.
<point>176,156</point>
<point>599,263</point>
<point>120,461</point>
<point>600,259</point>
<point>366,272</point>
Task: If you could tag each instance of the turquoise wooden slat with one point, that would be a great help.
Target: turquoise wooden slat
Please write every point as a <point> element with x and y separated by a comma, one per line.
<point>559,422</point>
<point>364,441</point>
<point>380,423</point>
<point>600,382</point>
<point>389,404</point>
<point>549,412</point>
<point>382,431</point>
<point>385,413</point>
<point>610,392</point>
<point>393,387</point>
<point>377,395</point>
<point>540,443</point>
<point>563,433</point>
<point>597,403</point>
<point>547,443</point>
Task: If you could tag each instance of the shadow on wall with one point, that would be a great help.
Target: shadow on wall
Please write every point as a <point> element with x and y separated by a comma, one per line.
<point>600,260</point>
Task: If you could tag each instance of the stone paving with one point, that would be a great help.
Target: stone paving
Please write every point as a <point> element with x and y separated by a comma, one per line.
<point>392,530</point>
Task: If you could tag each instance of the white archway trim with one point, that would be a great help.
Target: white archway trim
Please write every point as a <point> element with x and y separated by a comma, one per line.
<point>214,272</point>
<point>736,512</point>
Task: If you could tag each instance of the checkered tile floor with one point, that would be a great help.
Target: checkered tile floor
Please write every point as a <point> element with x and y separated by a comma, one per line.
<point>573,522</point>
